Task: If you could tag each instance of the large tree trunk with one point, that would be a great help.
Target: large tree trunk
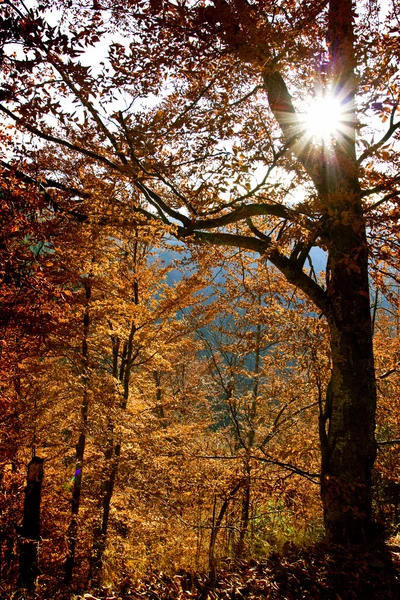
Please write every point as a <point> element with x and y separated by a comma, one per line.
<point>347,430</point>
<point>348,422</point>
<point>347,438</point>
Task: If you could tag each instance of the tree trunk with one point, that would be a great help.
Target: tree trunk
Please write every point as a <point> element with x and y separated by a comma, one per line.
<point>245,513</point>
<point>122,368</point>
<point>347,433</point>
<point>216,526</point>
<point>100,531</point>
<point>72,533</point>
<point>348,421</point>
<point>30,530</point>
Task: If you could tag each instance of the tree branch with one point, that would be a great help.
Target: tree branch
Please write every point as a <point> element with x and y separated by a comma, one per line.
<point>381,201</point>
<point>280,102</point>
<point>60,141</point>
<point>390,372</point>
<point>57,64</point>
<point>392,129</point>
<point>162,208</point>
<point>310,476</point>
<point>291,270</point>
<point>43,183</point>
<point>248,211</point>
<point>388,442</point>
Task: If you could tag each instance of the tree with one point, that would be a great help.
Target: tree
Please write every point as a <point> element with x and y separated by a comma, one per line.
<point>30,530</point>
<point>141,326</point>
<point>31,306</point>
<point>236,73</point>
<point>261,348</point>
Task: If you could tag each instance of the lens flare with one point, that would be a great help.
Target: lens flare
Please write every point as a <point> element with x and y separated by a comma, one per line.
<point>324,118</point>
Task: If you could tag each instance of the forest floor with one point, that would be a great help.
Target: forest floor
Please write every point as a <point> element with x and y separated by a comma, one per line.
<point>318,572</point>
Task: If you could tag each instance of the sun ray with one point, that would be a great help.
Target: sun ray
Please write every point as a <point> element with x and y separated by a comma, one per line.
<point>324,119</point>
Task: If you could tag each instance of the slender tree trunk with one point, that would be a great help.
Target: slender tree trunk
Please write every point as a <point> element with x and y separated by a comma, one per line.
<point>122,368</point>
<point>101,529</point>
<point>72,533</point>
<point>159,407</point>
<point>112,456</point>
<point>30,530</point>
<point>246,495</point>
<point>245,513</point>
<point>216,526</point>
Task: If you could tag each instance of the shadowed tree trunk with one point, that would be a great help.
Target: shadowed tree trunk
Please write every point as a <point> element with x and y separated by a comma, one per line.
<point>347,440</point>
<point>30,530</point>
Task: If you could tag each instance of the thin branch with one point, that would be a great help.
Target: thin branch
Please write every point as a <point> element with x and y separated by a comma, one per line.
<point>60,141</point>
<point>390,372</point>
<point>380,188</point>
<point>392,129</point>
<point>381,201</point>
<point>246,96</point>
<point>128,138</point>
<point>89,107</point>
<point>192,104</point>
<point>161,206</point>
<point>388,442</point>
<point>43,183</point>
<point>310,476</point>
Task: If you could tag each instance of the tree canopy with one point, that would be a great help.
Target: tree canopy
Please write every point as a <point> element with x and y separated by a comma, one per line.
<point>128,124</point>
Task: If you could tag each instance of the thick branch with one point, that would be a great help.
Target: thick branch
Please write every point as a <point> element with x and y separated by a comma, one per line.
<point>245,212</point>
<point>291,270</point>
<point>281,104</point>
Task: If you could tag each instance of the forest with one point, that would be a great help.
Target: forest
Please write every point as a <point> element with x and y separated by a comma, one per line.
<point>199,299</point>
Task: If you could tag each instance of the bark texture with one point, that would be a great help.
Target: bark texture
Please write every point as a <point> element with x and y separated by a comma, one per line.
<point>347,423</point>
<point>348,448</point>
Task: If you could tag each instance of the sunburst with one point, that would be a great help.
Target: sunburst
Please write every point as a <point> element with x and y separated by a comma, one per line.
<point>324,118</point>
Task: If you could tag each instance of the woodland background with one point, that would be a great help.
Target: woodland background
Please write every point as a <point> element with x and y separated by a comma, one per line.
<point>163,397</point>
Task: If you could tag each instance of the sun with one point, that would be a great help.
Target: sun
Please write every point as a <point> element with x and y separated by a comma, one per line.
<point>323,118</point>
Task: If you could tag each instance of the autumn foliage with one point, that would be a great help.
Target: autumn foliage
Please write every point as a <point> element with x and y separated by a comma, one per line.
<point>199,303</point>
